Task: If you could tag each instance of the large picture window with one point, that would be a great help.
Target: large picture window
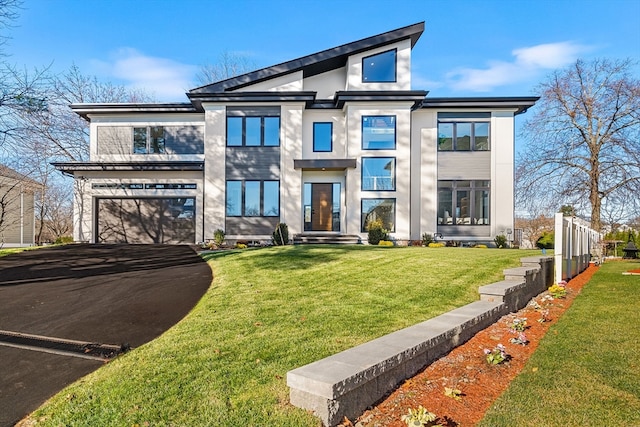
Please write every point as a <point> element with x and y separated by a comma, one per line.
<point>379,209</point>
<point>379,68</point>
<point>463,202</point>
<point>463,136</point>
<point>378,132</point>
<point>253,198</point>
<point>252,131</point>
<point>378,173</point>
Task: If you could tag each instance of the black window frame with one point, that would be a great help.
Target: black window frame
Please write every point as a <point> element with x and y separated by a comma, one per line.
<point>244,118</point>
<point>243,211</point>
<point>395,67</point>
<point>475,186</point>
<point>362,169</point>
<point>315,149</point>
<point>363,227</point>
<point>383,117</point>
<point>149,144</point>
<point>473,146</point>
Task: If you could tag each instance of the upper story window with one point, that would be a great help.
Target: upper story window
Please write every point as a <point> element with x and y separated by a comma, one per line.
<point>148,140</point>
<point>378,173</point>
<point>378,132</point>
<point>252,131</point>
<point>379,68</point>
<point>463,131</point>
<point>322,136</point>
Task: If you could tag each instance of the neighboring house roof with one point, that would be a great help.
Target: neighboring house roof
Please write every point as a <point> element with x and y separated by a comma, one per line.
<point>316,63</point>
<point>7,172</point>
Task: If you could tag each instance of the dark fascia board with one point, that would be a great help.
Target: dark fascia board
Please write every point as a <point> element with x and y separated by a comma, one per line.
<point>324,164</point>
<point>316,63</point>
<point>521,104</point>
<point>71,167</point>
<point>415,96</point>
<point>227,97</point>
<point>83,110</point>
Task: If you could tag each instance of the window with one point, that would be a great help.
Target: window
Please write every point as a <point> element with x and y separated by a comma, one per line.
<point>378,132</point>
<point>463,202</point>
<point>253,198</point>
<point>463,131</point>
<point>252,131</point>
<point>379,68</point>
<point>378,173</point>
<point>148,140</point>
<point>322,137</point>
<point>171,186</point>
<point>379,209</point>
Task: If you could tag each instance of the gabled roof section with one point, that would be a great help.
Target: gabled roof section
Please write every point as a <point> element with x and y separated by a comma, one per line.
<point>313,64</point>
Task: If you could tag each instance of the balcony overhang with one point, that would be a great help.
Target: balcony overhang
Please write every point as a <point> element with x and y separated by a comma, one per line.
<point>324,164</point>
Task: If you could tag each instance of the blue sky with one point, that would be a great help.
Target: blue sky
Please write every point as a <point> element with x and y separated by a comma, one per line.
<point>468,48</point>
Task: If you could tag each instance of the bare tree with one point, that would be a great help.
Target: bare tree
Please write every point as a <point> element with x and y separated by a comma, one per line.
<point>228,65</point>
<point>584,144</point>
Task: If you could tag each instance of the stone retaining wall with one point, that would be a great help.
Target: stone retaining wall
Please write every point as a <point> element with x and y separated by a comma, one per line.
<point>347,383</point>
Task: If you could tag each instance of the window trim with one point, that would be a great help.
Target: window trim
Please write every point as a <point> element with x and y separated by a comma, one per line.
<point>473,188</point>
<point>147,134</point>
<point>395,67</point>
<point>395,131</point>
<point>393,178</point>
<point>472,141</point>
<point>362,214</point>
<point>330,150</point>
<point>243,193</point>
<point>244,118</point>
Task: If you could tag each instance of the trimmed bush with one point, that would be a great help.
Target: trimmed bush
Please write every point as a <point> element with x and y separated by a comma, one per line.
<point>281,234</point>
<point>546,241</point>
<point>426,239</point>
<point>218,237</point>
<point>63,240</point>
<point>436,245</point>
<point>385,243</point>
<point>501,241</point>
<point>376,232</point>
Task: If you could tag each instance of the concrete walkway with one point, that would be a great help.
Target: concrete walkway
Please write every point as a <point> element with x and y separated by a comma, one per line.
<point>109,294</point>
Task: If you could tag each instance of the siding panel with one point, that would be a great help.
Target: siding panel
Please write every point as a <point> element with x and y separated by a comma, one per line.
<point>115,139</point>
<point>184,139</point>
<point>250,225</point>
<point>255,163</point>
<point>469,165</point>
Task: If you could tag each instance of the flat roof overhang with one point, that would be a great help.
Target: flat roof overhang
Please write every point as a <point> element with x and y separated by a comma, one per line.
<point>72,167</point>
<point>84,110</point>
<point>521,104</point>
<point>324,164</point>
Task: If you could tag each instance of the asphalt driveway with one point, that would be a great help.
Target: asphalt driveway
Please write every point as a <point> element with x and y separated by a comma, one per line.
<point>109,294</point>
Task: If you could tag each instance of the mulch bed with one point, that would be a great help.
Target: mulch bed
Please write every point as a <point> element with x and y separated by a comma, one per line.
<point>466,369</point>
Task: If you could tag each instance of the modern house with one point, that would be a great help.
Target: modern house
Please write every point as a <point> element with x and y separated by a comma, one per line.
<point>325,143</point>
<point>17,213</point>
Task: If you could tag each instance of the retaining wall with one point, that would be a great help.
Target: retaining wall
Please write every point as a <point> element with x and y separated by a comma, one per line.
<point>347,383</point>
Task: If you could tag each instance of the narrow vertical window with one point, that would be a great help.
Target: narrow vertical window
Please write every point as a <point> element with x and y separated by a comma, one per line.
<point>234,131</point>
<point>322,137</point>
<point>271,131</point>
<point>253,132</point>
<point>234,198</point>
<point>140,140</point>
<point>271,198</point>
<point>156,140</point>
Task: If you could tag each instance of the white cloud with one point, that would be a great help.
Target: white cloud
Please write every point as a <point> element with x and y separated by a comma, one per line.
<point>528,62</point>
<point>165,79</point>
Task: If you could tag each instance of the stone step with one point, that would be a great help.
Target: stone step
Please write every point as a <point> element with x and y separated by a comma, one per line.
<point>329,239</point>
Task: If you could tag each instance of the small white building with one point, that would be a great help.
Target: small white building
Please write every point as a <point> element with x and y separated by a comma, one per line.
<point>325,143</point>
<point>17,208</point>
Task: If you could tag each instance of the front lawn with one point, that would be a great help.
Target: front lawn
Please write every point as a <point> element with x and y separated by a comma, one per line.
<point>586,371</point>
<point>269,311</point>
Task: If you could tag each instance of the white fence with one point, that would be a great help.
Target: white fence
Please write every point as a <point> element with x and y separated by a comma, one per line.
<point>574,244</point>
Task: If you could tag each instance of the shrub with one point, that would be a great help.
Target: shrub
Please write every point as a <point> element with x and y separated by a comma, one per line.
<point>241,246</point>
<point>385,243</point>
<point>480,246</point>
<point>437,245</point>
<point>63,240</point>
<point>426,239</point>
<point>218,237</point>
<point>281,234</point>
<point>376,232</point>
<point>546,241</point>
<point>501,241</point>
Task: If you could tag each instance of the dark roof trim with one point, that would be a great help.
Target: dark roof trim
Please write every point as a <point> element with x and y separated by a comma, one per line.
<point>71,167</point>
<point>415,96</point>
<point>83,110</point>
<point>521,104</point>
<point>306,97</point>
<point>316,63</point>
<point>328,164</point>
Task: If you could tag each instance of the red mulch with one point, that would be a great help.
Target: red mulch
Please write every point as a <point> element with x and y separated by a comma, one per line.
<point>465,368</point>
<point>634,271</point>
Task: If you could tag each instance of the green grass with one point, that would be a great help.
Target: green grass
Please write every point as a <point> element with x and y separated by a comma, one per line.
<point>588,364</point>
<point>269,311</point>
<point>9,251</point>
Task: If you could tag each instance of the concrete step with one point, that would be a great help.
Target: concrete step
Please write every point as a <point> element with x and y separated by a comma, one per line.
<point>328,239</point>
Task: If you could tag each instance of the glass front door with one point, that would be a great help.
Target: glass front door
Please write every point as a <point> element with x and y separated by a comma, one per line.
<point>322,206</point>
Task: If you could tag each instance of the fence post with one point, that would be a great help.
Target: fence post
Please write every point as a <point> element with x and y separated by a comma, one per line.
<point>557,246</point>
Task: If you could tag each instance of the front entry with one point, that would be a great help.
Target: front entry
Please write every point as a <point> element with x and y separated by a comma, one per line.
<point>322,207</point>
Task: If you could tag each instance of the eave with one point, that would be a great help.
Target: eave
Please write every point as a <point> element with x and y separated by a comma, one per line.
<point>519,104</point>
<point>84,110</point>
<point>324,164</point>
<point>72,167</point>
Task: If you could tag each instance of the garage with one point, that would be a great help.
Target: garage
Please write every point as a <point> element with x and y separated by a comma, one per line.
<point>146,220</point>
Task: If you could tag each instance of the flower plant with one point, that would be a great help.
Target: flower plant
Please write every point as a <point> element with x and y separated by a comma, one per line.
<point>519,324</point>
<point>558,290</point>
<point>419,417</point>
<point>497,355</point>
<point>520,339</point>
